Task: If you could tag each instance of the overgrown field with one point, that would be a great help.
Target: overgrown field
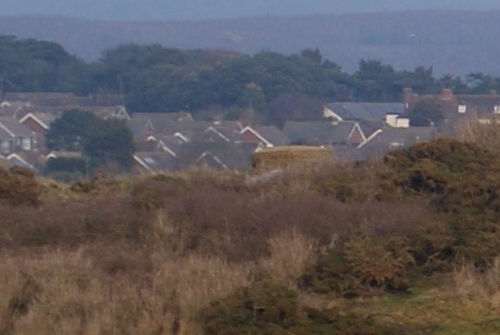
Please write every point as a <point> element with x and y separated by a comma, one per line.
<point>407,245</point>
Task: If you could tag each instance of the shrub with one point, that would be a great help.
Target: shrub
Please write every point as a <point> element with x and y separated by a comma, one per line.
<point>330,274</point>
<point>263,308</point>
<point>379,261</point>
<point>270,309</point>
<point>463,184</point>
<point>19,186</point>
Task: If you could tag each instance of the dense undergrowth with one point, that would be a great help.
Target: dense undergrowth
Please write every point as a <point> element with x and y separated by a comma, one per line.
<point>329,248</point>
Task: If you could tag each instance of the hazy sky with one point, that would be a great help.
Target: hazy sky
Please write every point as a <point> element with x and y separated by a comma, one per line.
<point>204,9</point>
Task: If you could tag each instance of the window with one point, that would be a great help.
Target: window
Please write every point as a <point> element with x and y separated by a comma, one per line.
<point>5,147</point>
<point>462,109</point>
<point>26,143</point>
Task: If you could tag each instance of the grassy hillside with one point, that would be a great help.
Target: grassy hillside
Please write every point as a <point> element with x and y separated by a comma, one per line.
<point>457,42</point>
<point>407,245</point>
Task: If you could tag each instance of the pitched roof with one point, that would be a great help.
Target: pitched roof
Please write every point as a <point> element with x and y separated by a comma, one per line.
<point>63,99</point>
<point>365,110</point>
<point>163,117</point>
<point>231,155</point>
<point>14,127</point>
<point>481,105</point>
<point>317,132</point>
<point>44,119</point>
<point>138,127</point>
<point>155,162</point>
<point>390,138</point>
<point>370,126</point>
<point>273,135</point>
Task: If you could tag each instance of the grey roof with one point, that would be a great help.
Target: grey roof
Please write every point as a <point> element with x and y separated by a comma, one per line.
<point>161,117</point>
<point>317,132</point>
<point>156,161</point>
<point>14,126</point>
<point>218,133</point>
<point>396,138</point>
<point>370,126</point>
<point>231,155</point>
<point>138,127</point>
<point>63,99</point>
<point>274,135</point>
<point>481,105</point>
<point>4,135</point>
<point>365,110</point>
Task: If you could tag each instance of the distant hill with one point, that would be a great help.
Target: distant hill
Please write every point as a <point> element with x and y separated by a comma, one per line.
<point>457,42</point>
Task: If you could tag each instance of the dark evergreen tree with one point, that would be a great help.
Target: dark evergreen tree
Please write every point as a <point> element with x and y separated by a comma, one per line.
<point>68,133</point>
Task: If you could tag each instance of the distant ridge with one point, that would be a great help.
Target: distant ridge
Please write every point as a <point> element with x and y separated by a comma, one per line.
<point>457,42</point>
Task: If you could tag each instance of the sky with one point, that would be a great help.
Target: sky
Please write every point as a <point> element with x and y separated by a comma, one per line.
<point>165,10</point>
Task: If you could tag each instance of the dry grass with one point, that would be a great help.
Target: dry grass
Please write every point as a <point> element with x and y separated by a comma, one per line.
<point>291,253</point>
<point>66,292</point>
<point>484,133</point>
<point>484,286</point>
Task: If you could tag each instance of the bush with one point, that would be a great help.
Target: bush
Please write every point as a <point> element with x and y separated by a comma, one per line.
<point>19,186</point>
<point>462,182</point>
<point>266,308</point>
<point>263,308</point>
<point>379,261</point>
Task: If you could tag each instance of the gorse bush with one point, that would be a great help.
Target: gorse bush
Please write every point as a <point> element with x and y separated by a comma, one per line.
<point>19,186</point>
<point>379,261</point>
<point>463,183</point>
<point>263,308</point>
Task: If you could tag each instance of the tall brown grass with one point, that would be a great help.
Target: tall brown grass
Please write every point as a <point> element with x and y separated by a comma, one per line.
<point>483,132</point>
<point>480,285</point>
<point>66,292</point>
<point>291,253</point>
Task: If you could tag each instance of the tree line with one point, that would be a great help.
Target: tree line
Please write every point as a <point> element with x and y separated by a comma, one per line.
<point>267,87</point>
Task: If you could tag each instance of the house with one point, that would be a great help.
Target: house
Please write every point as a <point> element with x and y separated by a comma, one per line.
<point>14,108</point>
<point>39,122</point>
<point>24,160</point>
<point>106,112</point>
<point>390,138</point>
<point>324,133</point>
<point>267,136</point>
<point>357,111</point>
<point>154,162</point>
<point>15,137</point>
<point>460,107</point>
<point>142,129</point>
<point>218,155</point>
<point>219,133</point>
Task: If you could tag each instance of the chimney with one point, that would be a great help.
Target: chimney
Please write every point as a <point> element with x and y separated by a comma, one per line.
<point>446,94</point>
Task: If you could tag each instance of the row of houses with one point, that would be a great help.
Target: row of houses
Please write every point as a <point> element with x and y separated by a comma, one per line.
<point>173,141</point>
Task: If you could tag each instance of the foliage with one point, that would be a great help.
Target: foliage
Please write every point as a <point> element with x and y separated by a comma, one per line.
<point>30,65</point>
<point>263,308</point>
<point>269,308</point>
<point>68,132</point>
<point>379,261</point>
<point>330,274</point>
<point>66,169</point>
<point>461,179</point>
<point>107,143</point>
<point>155,78</point>
<point>110,144</point>
<point>426,112</point>
<point>19,186</point>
